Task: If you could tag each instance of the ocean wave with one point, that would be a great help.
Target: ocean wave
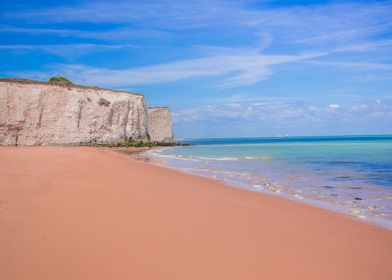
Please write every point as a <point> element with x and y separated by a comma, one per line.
<point>222,158</point>
<point>259,157</point>
<point>218,158</point>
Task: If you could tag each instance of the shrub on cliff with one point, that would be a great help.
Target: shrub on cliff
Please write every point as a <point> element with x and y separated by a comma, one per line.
<point>61,81</point>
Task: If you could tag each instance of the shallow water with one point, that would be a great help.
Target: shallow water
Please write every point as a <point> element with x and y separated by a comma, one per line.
<point>350,174</point>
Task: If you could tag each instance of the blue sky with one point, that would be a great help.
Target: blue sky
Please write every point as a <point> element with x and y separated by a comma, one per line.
<point>226,68</point>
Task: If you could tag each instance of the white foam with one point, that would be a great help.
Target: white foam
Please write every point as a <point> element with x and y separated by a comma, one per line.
<point>216,158</point>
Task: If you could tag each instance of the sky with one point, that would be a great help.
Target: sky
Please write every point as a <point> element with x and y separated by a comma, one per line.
<point>226,68</point>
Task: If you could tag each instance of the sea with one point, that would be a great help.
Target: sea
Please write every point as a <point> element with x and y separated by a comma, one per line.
<point>347,174</point>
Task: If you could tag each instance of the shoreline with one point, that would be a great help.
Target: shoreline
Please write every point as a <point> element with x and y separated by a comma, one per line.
<point>70,212</point>
<point>159,160</point>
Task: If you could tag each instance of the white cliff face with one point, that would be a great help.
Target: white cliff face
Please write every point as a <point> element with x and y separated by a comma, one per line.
<point>160,124</point>
<point>34,113</point>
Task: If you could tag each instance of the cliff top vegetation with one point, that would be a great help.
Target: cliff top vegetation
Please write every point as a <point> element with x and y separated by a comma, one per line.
<point>28,81</point>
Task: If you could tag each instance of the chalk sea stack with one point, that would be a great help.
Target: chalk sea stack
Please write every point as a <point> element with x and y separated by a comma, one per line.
<point>160,124</point>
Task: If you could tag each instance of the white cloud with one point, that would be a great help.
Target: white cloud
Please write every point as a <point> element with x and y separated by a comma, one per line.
<point>354,65</point>
<point>38,31</point>
<point>66,50</point>
<point>335,22</point>
<point>346,34</point>
<point>281,113</point>
<point>166,13</point>
<point>243,69</point>
<point>113,34</point>
<point>281,118</point>
<point>323,29</point>
<point>240,67</point>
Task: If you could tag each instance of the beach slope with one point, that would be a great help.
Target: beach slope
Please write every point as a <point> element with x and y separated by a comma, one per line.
<point>93,213</point>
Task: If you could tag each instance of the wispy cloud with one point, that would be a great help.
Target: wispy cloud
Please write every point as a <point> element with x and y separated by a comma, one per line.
<point>66,50</point>
<point>38,31</point>
<point>166,12</point>
<point>123,33</point>
<point>243,69</point>
<point>311,23</point>
<point>346,34</point>
<point>355,65</point>
<point>308,27</point>
<point>233,67</point>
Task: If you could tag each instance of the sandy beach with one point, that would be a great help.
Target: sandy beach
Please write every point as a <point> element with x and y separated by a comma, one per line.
<point>94,213</point>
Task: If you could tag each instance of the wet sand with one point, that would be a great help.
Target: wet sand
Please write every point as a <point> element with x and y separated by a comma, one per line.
<point>94,213</point>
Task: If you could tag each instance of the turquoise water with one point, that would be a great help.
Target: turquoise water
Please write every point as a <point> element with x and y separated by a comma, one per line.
<point>350,174</point>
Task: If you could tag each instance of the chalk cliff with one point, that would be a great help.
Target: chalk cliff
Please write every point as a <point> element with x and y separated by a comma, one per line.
<point>35,113</point>
<point>160,124</point>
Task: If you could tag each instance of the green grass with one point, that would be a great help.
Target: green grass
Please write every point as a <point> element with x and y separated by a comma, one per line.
<point>62,81</point>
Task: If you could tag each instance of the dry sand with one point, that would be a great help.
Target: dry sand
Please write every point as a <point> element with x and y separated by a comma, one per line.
<point>90,213</point>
